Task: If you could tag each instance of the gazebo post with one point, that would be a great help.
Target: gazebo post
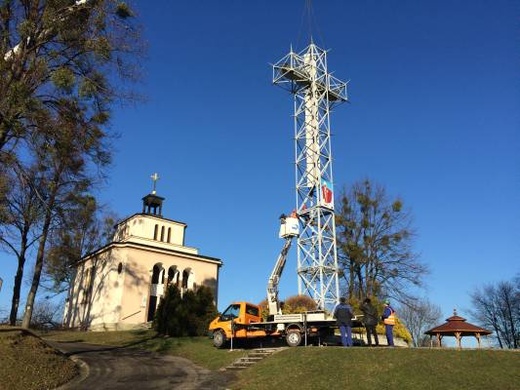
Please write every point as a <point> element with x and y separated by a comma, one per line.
<point>477,336</point>
<point>458,337</point>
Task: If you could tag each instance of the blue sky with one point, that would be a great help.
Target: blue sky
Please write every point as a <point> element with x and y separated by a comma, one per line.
<point>434,117</point>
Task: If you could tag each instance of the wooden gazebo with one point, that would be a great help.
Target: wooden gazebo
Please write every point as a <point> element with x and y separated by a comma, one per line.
<point>457,327</point>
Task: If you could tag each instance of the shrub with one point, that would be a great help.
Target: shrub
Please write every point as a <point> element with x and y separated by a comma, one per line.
<point>299,304</point>
<point>186,315</point>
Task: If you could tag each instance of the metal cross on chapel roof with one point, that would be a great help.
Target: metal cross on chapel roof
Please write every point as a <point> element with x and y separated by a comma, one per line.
<point>154,177</point>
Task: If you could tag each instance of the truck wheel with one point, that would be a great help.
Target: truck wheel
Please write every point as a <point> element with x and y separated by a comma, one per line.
<point>293,338</point>
<point>219,338</point>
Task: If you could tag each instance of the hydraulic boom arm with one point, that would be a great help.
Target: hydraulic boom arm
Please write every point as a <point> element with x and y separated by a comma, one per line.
<point>289,228</point>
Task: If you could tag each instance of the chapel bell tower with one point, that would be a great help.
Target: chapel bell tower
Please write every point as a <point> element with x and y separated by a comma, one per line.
<point>152,203</point>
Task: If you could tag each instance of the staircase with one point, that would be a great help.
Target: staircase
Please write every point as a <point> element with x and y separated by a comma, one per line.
<point>251,358</point>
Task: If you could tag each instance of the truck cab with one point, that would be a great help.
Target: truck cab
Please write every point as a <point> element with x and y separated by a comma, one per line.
<point>236,321</point>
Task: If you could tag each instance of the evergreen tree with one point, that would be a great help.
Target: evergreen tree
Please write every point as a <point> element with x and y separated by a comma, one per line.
<point>188,315</point>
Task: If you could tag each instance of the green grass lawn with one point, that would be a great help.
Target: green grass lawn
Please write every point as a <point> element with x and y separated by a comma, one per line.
<point>295,368</point>
<point>384,368</point>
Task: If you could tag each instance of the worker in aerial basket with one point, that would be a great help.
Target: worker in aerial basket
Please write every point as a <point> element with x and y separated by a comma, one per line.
<point>343,315</point>
<point>388,318</point>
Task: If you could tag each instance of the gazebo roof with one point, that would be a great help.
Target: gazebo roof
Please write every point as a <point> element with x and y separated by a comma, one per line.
<point>457,324</point>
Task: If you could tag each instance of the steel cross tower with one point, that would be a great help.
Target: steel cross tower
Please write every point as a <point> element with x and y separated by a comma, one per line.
<point>315,93</point>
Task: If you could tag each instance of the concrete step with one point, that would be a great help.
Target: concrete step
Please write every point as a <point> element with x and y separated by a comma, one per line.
<point>253,357</point>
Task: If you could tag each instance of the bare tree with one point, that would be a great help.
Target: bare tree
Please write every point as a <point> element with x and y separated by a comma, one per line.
<point>46,314</point>
<point>497,306</point>
<point>19,230</point>
<point>419,315</point>
<point>375,237</point>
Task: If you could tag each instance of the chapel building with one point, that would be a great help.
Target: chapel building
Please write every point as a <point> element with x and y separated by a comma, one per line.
<point>119,286</point>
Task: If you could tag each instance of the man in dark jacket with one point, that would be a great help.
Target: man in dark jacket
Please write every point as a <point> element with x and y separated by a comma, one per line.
<point>343,315</point>
<point>370,319</point>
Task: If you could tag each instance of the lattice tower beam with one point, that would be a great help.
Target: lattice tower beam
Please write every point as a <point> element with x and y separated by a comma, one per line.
<point>315,93</point>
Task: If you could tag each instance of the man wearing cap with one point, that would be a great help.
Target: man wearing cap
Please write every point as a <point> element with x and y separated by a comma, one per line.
<point>343,315</point>
<point>389,321</point>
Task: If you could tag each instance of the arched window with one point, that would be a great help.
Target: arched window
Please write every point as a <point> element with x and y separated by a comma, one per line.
<point>188,279</point>
<point>155,231</point>
<point>158,274</point>
<point>169,234</point>
<point>162,233</point>
<point>156,290</point>
<point>173,276</point>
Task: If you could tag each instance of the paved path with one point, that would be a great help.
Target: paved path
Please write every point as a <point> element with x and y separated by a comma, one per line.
<point>127,368</point>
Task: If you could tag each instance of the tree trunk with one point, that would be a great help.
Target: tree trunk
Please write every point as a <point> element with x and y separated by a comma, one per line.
<point>15,302</point>
<point>31,296</point>
<point>40,257</point>
<point>69,303</point>
<point>38,267</point>
<point>511,321</point>
<point>497,331</point>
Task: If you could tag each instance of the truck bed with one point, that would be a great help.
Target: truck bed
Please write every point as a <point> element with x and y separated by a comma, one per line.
<point>309,317</point>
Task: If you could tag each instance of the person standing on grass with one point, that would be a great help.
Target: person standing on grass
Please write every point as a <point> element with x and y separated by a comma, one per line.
<point>343,315</point>
<point>370,319</point>
<point>389,321</point>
